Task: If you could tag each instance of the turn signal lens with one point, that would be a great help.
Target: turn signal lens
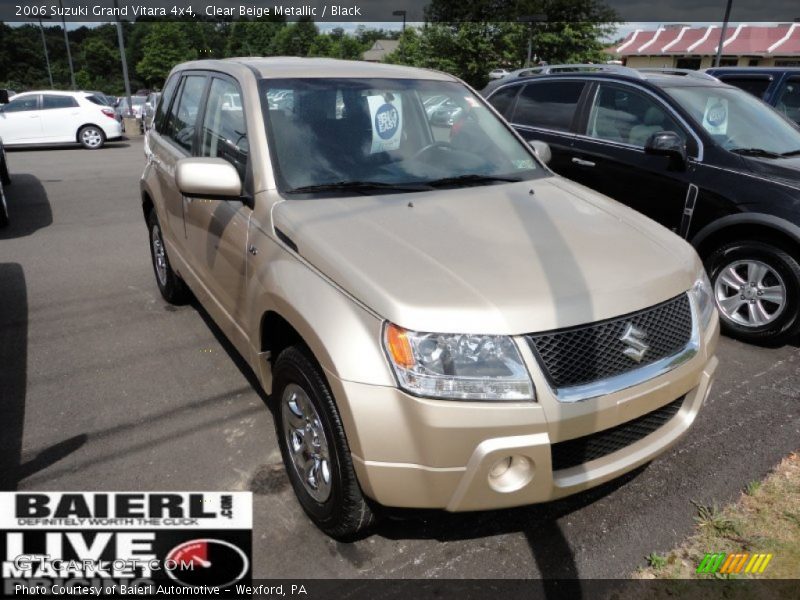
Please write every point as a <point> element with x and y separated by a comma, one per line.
<point>399,346</point>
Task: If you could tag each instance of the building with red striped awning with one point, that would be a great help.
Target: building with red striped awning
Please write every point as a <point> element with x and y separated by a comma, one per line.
<point>694,47</point>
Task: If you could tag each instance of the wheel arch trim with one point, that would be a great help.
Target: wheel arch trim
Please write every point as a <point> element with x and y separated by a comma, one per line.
<point>770,221</point>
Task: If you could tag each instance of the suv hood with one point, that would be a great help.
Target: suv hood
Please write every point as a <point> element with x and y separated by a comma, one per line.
<point>491,259</point>
<point>784,170</point>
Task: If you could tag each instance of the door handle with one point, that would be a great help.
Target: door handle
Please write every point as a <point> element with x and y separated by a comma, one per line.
<point>583,163</point>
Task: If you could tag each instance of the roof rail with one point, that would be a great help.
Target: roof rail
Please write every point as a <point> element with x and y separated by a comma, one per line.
<point>684,72</point>
<point>619,69</point>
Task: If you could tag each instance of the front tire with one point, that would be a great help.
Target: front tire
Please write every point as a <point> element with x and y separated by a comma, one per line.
<point>91,137</point>
<point>172,287</point>
<point>314,447</point>
<point>757,290</point>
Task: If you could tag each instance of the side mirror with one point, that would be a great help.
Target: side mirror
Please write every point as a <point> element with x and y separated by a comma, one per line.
<point>212,178</point>
<point>542,150</point>
<point>667,143</point>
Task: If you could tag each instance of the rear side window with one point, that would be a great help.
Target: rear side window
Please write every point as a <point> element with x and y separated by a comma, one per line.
<point>550,105</point>
<point>51,101</point>
<point>503,99</point>
<point>166,100</point>
<point>183,116</point>
<point>96,100</point>
<point>753,85</point>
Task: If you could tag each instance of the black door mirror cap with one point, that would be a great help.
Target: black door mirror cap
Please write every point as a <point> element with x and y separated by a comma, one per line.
<point>667,143</point>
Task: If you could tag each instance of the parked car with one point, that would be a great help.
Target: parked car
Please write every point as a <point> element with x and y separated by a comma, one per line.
<point>150,108</point>
<point>439,324</point>
<point>53,117</point>
<point>497,73</point>
<point>494,83</point>
<point>136,108</point>
<point>5,180</point>
<point>441,110</point>
<point>777,86</point>
<point>704,159</point>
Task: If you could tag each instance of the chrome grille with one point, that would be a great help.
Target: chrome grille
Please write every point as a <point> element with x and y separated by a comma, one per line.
<point>587,353</point>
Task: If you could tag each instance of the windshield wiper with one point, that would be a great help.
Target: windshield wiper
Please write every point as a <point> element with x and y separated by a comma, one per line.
<point>470,180</point>
<point>756,152</point>
<point>356,186</point>
<point>791,153</point>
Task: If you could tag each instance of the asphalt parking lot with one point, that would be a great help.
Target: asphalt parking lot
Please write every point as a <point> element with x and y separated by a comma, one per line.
<point>103,386</point>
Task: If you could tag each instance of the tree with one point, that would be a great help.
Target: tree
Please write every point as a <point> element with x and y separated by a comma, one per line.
<point>295,39</point>
<point>471,39</point>
<point>165,45</point>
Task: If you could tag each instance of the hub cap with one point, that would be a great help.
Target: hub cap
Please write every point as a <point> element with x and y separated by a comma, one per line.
<point>750,293</point>
<point>306,441</point>
<point>159,256</point>
<point>91,137</point>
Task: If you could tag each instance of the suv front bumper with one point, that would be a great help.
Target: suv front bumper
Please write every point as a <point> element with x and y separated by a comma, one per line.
<point>420,453</point>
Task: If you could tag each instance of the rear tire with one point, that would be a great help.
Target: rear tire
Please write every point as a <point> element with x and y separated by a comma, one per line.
<point>91,137</point>
<point>757,290</point>
<point>173,289</point>
<point>310,433</point>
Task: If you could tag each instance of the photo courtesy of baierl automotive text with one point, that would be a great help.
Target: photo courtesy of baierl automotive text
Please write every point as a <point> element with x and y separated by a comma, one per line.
<point>415,299</point>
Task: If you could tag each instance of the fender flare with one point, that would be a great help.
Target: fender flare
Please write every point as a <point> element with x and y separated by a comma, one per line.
<point>771,221</point>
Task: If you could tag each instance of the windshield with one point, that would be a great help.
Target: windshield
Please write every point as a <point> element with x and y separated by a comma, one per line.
<point>738,121</point>
<point>387,134</point>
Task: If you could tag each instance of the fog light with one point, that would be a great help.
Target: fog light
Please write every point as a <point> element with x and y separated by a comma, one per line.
<point>511,473</point>
<point>500,467</point>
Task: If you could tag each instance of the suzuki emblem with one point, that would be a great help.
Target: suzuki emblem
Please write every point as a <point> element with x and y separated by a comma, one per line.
<point>634,338</point>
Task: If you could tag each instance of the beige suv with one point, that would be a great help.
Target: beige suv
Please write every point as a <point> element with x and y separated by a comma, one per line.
<point>440,321</point>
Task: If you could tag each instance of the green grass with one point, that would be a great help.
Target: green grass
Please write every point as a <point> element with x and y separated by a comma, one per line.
<point>766,518</point>
<point>656,561</point>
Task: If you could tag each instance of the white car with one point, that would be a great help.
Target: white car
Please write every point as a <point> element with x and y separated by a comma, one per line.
<point>497,74</point>
<point>52,117</point>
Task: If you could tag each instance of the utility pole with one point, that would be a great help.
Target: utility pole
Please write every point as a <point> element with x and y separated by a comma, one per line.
<point>401,13</point>
<point>722,33</point>
<point>530,20</point>
<point>66,43</point>
<point>121,41</point>
<point>46,55</point>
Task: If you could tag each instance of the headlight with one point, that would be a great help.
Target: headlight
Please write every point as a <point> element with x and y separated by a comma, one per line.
<point>458,366</point>
<point>703,298</point>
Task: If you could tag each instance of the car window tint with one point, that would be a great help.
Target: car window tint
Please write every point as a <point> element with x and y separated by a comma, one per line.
<point>550,105</point>
<point>503,99</point>
<point>183,116</point>
<point>166,99</point>
<point>623,115</point>
<point>788,103</point>
<point>754,85</point>
<point>22,104</point>
<point>224,133</point>
<point>96,100</point>
<point>51,101</point>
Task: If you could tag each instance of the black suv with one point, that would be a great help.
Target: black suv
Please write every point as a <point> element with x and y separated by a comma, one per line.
<point>777,86</point>
<point>707,160</point>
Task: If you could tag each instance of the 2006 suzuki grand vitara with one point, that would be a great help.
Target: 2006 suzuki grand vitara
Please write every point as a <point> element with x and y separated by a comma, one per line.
<point>440,320</point>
